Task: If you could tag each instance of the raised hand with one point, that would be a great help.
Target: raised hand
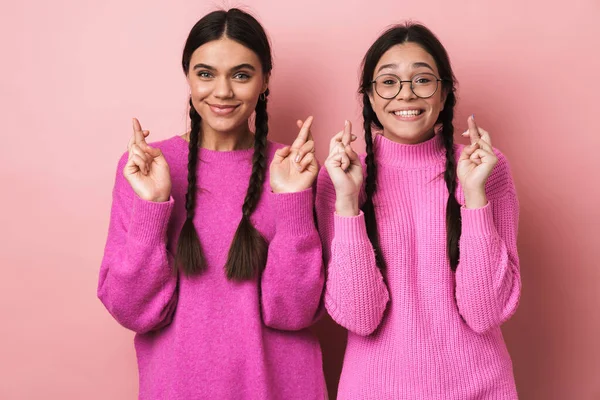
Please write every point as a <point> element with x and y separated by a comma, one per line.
<point>475,165</point>
<point>345,170</point>
<point>146,170</point>
<point>294,168</point>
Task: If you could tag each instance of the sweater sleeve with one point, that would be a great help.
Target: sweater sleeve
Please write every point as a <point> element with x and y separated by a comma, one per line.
<point>488,283</point>
<point>356,295</point>
<point>293,279</point>
<point>136,283</point>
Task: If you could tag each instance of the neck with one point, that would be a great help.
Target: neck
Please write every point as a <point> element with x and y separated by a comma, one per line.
<point>240,138</point>
<point>414,156</point>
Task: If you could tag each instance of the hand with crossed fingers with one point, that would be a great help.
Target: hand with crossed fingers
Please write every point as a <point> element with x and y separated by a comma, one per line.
<point>475,165</point>
<point>294,168</point>
<point>345,170</point>
<point>146,169</point>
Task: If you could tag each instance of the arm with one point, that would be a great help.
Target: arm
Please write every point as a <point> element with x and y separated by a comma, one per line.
<point>292,282</point>
<point>356,295</point>
<point>488,283</point>
<point>136,283</point>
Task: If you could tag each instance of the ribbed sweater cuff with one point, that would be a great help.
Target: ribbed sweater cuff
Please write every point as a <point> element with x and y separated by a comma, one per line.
<point>350,229</point>
<point>149,220</point>
<point>477,222</point>
<point>294,212</point>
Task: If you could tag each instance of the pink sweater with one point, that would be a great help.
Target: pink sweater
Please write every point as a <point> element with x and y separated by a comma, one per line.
<point>207,337</point>
<point>406,337</point>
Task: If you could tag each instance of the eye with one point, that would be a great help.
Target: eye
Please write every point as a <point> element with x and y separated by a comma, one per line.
<point>422,80</point>
<point>204,75</point>
<point>389,82</point>
<point>241,76</point>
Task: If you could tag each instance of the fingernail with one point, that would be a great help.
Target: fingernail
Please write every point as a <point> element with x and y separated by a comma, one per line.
<point>473,116</point>
<point>297,158</point>
<point>353,137</point>
<point>346,122</point>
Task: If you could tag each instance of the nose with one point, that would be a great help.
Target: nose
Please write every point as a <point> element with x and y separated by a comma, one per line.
<point>405,92</point>
<point>223,89</point>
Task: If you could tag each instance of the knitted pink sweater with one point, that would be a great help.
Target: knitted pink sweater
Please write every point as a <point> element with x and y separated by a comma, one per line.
<point>406,337</point>
<point>207,337</point>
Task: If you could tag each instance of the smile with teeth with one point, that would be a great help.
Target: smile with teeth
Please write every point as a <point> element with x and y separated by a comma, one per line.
<point>407,113</point>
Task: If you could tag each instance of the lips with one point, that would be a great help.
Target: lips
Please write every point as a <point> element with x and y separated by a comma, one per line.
<point>222,109</point>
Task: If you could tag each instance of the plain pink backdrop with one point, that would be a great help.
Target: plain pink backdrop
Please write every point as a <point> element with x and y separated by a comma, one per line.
<point>73,73</point>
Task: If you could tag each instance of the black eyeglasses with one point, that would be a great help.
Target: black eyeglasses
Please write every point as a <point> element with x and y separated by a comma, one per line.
<point>423,85</point>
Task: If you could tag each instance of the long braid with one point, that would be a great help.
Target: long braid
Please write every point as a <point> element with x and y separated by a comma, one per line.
<point>189,255</point>
<point>248,251</point>
<point>371,183</point>
<point>453,219</point>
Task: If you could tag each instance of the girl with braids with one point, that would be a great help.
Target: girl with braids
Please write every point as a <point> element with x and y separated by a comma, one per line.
<point>212,256</point>
<point>419,236</point>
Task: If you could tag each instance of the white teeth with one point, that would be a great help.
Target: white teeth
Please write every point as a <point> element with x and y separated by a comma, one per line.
<point>407,113</point>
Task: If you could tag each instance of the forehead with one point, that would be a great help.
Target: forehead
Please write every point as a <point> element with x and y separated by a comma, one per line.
<point>224,54</point>
<point>403,56</point>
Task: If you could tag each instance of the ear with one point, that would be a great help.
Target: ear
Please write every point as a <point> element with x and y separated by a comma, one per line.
<point>371,99</point>
<point>443,98</point>
<point>265,83</point>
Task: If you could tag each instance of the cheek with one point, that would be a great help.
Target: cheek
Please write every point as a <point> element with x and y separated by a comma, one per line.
<point>436,102</point>
<point>248,92</point>
<point>200,91</point>
<point>379,105</point>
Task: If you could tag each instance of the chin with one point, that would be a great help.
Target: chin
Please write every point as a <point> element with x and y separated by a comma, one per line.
<point>407,137</point>
<point>223,125</point>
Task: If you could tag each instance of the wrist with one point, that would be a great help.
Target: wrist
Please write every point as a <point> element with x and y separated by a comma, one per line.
<point>160,199</point>
<point>475,198</point>
<point>347,206</point>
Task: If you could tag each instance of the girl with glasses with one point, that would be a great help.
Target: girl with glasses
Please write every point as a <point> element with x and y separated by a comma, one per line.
<point>212,255</point>
<point>419,236</point>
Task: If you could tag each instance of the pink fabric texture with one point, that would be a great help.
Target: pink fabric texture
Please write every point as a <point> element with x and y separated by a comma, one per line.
<point>419,330</point>
<point>206,337</point>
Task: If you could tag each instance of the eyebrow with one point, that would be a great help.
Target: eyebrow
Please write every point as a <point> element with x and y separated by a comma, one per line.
<point>236,68</point>
<point>416,65</point>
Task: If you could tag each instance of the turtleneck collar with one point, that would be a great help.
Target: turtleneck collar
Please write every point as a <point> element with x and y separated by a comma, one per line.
<point>420,155</point>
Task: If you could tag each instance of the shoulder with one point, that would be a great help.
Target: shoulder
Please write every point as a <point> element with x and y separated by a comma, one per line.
<point>173,147</point>
<point>175,150</point>
<point>326,190</point>
<point>272,147</point>
<point>500,181</point>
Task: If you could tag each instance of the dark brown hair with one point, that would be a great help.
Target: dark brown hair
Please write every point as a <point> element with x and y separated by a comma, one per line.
<point>248,250</point>
<point>419,34</point>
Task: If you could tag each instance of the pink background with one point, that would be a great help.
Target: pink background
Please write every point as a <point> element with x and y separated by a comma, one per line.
<point>75,72</point>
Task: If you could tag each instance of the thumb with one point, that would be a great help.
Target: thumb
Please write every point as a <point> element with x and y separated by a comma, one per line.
<point>281,154</point>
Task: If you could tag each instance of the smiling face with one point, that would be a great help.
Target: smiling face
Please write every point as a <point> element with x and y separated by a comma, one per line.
<point>407,118</point>
<point>225,80</point>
